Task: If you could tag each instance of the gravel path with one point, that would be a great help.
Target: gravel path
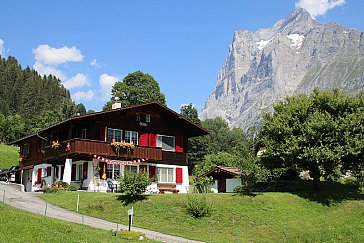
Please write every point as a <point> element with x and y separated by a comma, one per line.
<point>28,201</point>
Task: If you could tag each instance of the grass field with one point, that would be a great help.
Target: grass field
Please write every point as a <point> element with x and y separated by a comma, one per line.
<point>335,214</point>
<point>19,226</point>
<point>9,156</point>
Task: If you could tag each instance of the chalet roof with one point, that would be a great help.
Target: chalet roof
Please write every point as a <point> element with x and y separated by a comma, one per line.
<point>192,128</point>
<point>232,171</point>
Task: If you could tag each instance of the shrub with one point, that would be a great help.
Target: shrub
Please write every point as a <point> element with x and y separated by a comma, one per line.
<point>74,187</point>
<point>198,206</point>
<point>63,185</point>
<point>49,189</point>
<point>242,189</point>
<point>201,184</point>
<point>134,184</point>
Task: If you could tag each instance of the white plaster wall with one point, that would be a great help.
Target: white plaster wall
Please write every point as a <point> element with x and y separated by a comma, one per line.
<point>48,179</point>
<point>232,183</point>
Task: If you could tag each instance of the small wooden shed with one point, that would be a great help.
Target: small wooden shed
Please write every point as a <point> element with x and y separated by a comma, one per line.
<point>225,178</point>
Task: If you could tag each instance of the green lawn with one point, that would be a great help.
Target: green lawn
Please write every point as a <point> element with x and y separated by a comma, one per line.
<point>19,226</point>
<point>334,214</point>
<point>9,156</point>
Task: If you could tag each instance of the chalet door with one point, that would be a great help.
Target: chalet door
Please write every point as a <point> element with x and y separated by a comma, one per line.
<point>221,185</point>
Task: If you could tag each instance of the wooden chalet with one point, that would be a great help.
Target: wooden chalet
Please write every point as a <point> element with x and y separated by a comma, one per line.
<point>100,147</point>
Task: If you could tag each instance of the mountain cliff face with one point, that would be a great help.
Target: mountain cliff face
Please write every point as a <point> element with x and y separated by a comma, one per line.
<point>294,56</point>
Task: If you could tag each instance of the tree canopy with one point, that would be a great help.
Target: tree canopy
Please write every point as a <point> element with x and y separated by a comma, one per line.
<point>322,133</point>
<point>29,101</point>
<point>136,88</point>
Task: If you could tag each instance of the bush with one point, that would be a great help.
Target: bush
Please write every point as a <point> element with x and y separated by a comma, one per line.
<point>74,187</point>
<point>134,184</point>
<point>198,206</point>
<point>201,184</point>
<point>244,190</point>
<point>49,189</point>
<point>63,185</point>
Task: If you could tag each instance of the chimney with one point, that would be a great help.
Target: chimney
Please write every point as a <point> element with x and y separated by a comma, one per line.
<point>116,105</point>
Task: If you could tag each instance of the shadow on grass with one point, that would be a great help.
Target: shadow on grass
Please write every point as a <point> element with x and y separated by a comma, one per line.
<point>329,193</point>
<point>126,200</point>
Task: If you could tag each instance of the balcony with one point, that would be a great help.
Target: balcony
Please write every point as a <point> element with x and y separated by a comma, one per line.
<point>91,147</point>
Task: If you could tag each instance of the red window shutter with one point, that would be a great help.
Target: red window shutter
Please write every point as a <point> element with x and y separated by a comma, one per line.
<point>102,133</point>
<point>179,144</point>
<point>85,169</point>
<point>152,140</point>
<point>73,173</point>
<point>179,175</point>
<point>151,171</point>
<point>39,176</point>
<point>143,139</point>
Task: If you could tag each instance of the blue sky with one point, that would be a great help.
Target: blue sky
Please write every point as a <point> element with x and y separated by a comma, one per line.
<point>91,44</point>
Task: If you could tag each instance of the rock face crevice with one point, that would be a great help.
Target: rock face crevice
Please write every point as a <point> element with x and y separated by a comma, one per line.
<point>294,56</point>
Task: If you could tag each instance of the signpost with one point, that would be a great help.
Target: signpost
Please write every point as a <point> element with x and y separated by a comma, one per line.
<point>130,213</point>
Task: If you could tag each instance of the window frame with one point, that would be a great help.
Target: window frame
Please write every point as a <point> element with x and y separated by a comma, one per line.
<point>133,138</point>
<point>113,134</point>
<point>164,149</point>
<point>170,177</point>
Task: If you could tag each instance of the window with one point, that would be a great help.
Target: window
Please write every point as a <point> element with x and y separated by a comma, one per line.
<point>84,133</point>
<point>166,142</point>
<point>113,171</point>
<point>109,171</point>
<point>131,168</point>
<point>137,117</point>
<point>165,174</point>
<point>25,151</point>
<point>147,118</point>
<point>80,172</point>
<point>131,137</point>
<point>114,134</point>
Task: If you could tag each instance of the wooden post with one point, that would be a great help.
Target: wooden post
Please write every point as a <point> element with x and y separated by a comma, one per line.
<point>117,231</point>
<point>45,210</point>
<point>78,201</point>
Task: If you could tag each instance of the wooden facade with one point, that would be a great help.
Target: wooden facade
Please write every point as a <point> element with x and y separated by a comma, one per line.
<point>82,137</point>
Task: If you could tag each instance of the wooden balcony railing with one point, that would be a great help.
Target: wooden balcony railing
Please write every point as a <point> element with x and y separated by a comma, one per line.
<point>84,146</point>
<point>174,158</point>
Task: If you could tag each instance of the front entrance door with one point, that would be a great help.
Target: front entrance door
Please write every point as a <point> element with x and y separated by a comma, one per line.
<point>221,185</point>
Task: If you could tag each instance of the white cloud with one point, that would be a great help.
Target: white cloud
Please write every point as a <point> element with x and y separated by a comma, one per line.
<point>2,49</point>
<point>94,63</point>
<point>79,80</point>
<point>54,56</point>
<point>81,95</point>
<point>46,70</point>
<point>318,7</point>
<point>106,82</point>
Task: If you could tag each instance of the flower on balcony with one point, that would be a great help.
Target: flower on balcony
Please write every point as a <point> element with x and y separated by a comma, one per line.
<point>55,144</point>
<point>118,145</point>
<point>122,145</point>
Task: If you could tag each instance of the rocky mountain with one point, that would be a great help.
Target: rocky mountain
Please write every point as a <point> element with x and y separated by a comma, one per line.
<point>294,56</point>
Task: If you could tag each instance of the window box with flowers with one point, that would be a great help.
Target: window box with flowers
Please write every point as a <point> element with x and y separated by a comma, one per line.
<point>122,145</point>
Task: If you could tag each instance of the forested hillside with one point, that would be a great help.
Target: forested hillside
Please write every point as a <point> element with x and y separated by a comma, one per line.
<point>29,101</point>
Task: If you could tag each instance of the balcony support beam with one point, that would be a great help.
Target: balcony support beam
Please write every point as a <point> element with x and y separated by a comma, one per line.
<point>67,171</point>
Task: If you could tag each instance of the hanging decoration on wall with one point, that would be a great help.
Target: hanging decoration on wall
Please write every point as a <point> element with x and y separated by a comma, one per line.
<point>119,162</point>
<point>68,147</point>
